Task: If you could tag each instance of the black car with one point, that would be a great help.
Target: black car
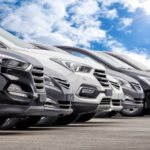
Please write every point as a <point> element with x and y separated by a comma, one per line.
<point>133,91</point>
<point>142,76</point>
<point>59,94</point>
<point>22,90</point>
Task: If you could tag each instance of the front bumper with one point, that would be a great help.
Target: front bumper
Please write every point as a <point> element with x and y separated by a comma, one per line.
<point>81,108</point>
<point>131,104</point>
<point>87,80</point>
<point>46,111</point>
<point>108,105</point>
<point>17,110</point>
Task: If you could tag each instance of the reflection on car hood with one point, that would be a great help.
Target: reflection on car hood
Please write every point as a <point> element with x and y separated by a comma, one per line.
<point>19,56</point>
<point>121,75</point>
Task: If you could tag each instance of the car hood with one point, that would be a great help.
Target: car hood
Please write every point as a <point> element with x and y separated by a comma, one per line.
<point>137,72</point>
<point>45,54</point>
<point>6,53</point>
<point>121,75</point>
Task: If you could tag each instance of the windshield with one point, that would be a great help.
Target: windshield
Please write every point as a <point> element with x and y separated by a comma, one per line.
<point>48,48</point>
<point>113,61</point>
<point>13,39</point>
<point>140,65</point>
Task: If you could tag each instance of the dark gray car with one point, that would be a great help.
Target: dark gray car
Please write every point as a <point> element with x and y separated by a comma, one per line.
<point>23,93</point>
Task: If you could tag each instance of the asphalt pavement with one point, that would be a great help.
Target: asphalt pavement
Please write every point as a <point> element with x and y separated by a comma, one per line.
<point>97,134</point>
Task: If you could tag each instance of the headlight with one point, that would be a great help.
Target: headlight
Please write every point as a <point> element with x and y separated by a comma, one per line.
<point>73,66</point>
<point>14,63</point>
<point>124,83</point>
<point>145,79</point>
<point>48,81</point>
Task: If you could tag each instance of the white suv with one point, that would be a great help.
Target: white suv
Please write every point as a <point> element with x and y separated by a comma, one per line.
<point>107,107</point>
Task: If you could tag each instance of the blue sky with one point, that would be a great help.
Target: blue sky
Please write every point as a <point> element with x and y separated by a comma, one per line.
<point>118,25</point>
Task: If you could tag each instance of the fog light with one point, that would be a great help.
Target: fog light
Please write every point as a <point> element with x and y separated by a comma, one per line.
<point>88,92</point>
<point>16,90</point>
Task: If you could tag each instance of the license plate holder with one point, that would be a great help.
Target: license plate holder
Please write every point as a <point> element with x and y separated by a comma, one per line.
<point>108,92</point>
<point>42,98</point>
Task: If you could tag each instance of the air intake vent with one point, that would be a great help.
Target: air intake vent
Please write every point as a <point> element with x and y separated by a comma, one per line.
<point>38,76</point>
<point>101,77</point>
<point>62,83</point>
<point>64,104</point>
<point>116,102</point>
<point>115,84</point>
<point>138,101</point>
<point>105,101</point>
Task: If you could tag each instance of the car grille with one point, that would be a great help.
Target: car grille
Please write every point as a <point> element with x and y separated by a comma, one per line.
<point>116,102</point>
<point>136,86</point>
<point>62,83</point>
<point>115,84</point>
<point>38,77</point>
<point>64,104</point>
<point>101,77</point>
<point>105,101</point>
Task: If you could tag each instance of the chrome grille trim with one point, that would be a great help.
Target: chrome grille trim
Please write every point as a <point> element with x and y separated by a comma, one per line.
<point>38,77</point>
<point>101,77</point>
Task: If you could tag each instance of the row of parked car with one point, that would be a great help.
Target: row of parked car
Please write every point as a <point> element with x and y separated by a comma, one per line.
<point>43,85</point>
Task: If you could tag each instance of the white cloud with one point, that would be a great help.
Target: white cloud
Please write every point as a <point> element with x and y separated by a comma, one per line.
<point>49,18</point>
<point>113,45</point>
<point>130,5</point>
<point>68,22</point>
<point>109,13</point>
<point>125,23</point>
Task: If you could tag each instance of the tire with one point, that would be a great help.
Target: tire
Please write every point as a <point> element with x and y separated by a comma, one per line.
<point>85,117</point>
<point>46,121</point>
<point>7,123</point>
<point>24,123</point>
<point>65,120</point>
<point>135,112</point>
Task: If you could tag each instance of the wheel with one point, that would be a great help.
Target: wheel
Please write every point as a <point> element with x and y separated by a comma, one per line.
<point>46,121</point>
<point>65,120</point>
<point>132,112</point>
<point>85,117</point>
<point>24,123</point>
<point>7,123</point>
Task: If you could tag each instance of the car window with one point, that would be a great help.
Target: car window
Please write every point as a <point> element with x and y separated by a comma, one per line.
<point>139,64</point>
<point>80,54</point>
<point>2,45</point>
<point>15,40</point>
<point>113,61</point>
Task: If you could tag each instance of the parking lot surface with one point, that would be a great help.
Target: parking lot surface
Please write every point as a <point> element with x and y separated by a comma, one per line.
<point>98,134</point>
